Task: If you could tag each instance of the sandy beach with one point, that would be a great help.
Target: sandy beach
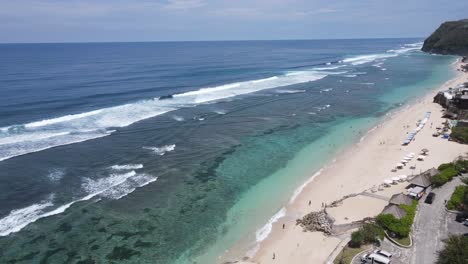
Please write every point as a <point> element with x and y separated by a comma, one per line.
<point>360,168</point>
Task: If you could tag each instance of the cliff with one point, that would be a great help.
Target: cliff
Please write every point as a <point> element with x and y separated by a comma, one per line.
<point>450,38</point>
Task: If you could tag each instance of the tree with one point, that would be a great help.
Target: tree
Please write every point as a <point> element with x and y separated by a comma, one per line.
<point>455,250</point>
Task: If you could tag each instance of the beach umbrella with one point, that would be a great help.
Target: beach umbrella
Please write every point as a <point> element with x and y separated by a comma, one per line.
<point>399,165</point>
<point>395,179</point>
<point>424,150</point>
<point>421,157</point>
<point>412,154</point>
<point>404,161</point>
<point>388,181</point>
<point>403,177</point>
<point>407,158</point>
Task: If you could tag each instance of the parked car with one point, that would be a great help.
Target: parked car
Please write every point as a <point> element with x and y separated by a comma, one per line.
<point>461,217</point>
<point>383,253</point>
<point>430,198</point>
<point>374,259</point>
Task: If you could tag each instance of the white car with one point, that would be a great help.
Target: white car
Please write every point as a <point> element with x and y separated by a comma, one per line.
<point>373,258</point>
<point>383,253</point>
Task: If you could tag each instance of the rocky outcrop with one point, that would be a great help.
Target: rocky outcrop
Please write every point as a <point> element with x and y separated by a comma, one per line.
<point>317,221</point>
<point>450,38</point>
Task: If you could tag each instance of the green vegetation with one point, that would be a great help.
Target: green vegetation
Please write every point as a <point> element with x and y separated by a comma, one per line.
<point>399,228</point>
<point>348,253</point>
<point>450,38</point>
<point>446,173</point>
<point>367,234</point>
<point>459,198</point>
<point>455,250</point>
<point>460,134</point>
<point>405,241</point>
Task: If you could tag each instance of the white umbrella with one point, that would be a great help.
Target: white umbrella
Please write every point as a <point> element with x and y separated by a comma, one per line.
<point>388,181</point>
<point>404,161</point>
<point>403,177</point>
<point>407,158</point>
<point>421,157</point>
<point>399,165</point>
<point>412,154</point>
<point>395,179</point>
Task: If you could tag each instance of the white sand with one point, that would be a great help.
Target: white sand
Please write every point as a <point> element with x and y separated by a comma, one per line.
<point>360,168</point>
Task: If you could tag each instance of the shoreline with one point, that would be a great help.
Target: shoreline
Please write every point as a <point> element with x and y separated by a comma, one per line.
<point>286,243</point>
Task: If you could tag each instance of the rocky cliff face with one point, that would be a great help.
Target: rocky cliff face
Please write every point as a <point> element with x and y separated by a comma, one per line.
<point>450,38</point>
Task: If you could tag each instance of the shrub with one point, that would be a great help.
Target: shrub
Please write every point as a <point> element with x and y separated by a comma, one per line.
<point>460,134</point>
<point>399,227</point>
<point>446,173</point>
<point>455,250</point>
<point>368,233</point>
<point>457,197</point>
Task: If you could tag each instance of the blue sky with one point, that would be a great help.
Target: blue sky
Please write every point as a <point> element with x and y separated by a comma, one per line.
<point>162,20</point>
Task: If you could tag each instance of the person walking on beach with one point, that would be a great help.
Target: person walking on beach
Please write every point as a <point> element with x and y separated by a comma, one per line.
<point>284,226</point>
<point>274,256</point>
<point>310,202</point>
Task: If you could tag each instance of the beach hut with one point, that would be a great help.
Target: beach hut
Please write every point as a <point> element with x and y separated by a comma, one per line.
<point>394,210</point>
<point>400,198</point>
<point>421,158</point>
<point>422,180</point>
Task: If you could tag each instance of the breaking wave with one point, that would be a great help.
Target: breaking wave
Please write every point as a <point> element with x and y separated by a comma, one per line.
<point>21,139</point>
<point>162,150</point>
<point>115,186</point>
<point>263,232</point>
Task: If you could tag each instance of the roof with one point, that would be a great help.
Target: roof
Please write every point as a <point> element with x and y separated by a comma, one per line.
<point>422,180</point>
<point>400,199</point>
<point>431,172</point>
<point>394,210</point>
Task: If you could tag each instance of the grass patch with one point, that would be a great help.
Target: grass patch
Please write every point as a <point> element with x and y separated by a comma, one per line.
<point>405,241</point>
<point>460,134</point>
<point>348,253</point>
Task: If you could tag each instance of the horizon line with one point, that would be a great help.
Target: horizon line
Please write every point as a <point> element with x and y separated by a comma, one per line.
<point>227,40</point>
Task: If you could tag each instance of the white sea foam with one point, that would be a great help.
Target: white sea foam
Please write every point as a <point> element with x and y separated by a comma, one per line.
<point>127,167</point>
<point>115,186</point>
<point>289,91</point>
<point>263,232</point>
<point>301,188</point>
<point>326,90</point>
<point>350,75</point>
<point>162,150</point>
<point>19,218</point>
<point>220,112</point>
<point>178,118</point>
<point>56,175</point>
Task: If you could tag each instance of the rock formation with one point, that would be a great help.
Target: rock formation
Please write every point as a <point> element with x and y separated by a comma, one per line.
<point>450,38</point>
<point>316,221</point>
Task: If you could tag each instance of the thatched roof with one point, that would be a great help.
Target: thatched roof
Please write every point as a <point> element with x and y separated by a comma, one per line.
<point>394,210</point>
<point>431,172</point>
<point>422,180</point>
<point>401,199</point>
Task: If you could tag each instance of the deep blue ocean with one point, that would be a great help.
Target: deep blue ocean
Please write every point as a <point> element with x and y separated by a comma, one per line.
<point>159,152</point>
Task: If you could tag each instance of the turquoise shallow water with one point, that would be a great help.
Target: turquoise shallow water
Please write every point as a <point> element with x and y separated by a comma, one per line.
<point>183,179</point>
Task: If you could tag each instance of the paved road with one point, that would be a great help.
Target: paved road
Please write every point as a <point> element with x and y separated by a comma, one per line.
<point>433,224</point>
